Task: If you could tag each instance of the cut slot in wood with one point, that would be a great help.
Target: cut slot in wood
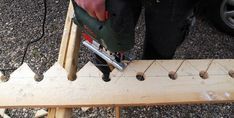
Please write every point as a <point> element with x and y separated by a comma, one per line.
<point>231,73</point>
<point>204,75</point>
<point>140,76</point>
<point>173,75</point>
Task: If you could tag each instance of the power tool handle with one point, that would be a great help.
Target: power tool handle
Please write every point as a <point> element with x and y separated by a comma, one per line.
<point>84,18</point>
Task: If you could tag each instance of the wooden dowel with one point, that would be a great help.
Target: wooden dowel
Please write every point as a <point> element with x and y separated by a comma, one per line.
<point>117,112</point>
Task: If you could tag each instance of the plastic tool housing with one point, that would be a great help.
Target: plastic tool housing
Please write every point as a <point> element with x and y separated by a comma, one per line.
<point>117,33</point>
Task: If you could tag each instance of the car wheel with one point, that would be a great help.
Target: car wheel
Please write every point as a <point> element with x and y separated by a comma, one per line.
<point>221,14</point>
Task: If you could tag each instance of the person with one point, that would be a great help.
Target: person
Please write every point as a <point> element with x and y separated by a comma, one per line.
<point>167,22</point>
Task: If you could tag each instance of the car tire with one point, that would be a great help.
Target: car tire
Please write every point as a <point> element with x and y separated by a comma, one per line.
<point>217,13</point>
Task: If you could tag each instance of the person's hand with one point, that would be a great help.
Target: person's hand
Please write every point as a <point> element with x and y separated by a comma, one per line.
<point>95,8</point>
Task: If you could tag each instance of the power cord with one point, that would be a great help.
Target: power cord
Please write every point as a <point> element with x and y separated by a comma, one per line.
<point>4,70</point>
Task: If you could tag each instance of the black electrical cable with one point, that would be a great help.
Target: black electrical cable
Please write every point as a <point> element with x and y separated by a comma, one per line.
<point>30,42</point>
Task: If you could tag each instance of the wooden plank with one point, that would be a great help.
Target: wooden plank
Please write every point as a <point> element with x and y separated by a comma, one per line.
<point>70,64</point>
<point>117,112</point>
<point>63,113</point>
<point>51,113</point>
<point>68,54</point>
<point>23,73</point>
<point>124,89</point>
<point>63,51</point>
<point>66,35</point>
<point>133,68</point>
<point>72,52</point>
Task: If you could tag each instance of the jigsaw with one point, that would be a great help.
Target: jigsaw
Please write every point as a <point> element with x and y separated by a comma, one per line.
<point>109,39</point>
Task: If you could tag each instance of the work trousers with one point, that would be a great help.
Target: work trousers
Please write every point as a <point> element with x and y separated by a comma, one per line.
<point>167,24</point>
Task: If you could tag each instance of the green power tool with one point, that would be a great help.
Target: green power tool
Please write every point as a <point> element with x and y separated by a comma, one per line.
<point>111,38</point>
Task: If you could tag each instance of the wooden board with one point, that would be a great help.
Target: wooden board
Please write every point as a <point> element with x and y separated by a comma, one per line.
<point>66,36</point>
<point>68,56</point>
<point>55,90</point>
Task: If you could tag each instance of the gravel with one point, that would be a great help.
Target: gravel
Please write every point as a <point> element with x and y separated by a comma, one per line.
<point>21,20</point>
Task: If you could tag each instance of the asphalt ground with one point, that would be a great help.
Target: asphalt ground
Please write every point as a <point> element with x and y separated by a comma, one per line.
<point>20,22</point>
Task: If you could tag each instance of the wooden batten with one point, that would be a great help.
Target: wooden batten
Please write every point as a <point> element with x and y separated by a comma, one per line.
<point>68,56</point>
<point>55,90</point>
<point>66,36</point>
<point>72,52</point>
